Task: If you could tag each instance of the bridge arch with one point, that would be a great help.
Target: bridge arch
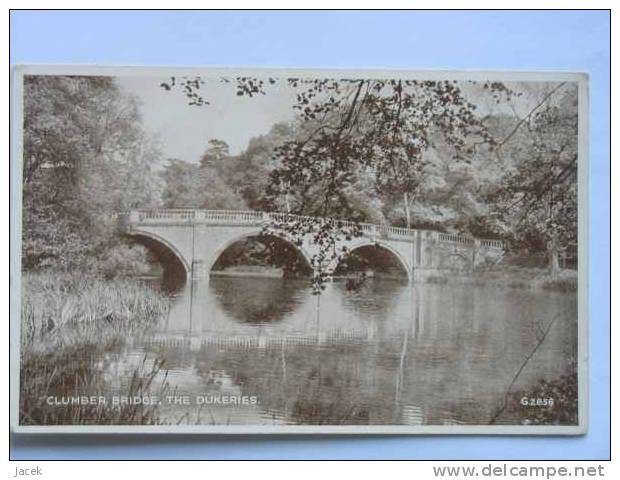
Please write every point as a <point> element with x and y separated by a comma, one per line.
<point>166,253</point>
<point>397,255</point>
<point>257,233</point>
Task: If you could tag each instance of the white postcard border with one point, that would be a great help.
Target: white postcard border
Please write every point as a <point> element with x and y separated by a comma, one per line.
<point>582,79</point>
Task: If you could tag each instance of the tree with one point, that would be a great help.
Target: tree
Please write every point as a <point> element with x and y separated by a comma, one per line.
<point>537,197</point>
<point>86,157</point>
<point>251,169</point>
<point>216,153</point>
<point>188,185</point>
<point>352,130</point>
<point>381,128</point>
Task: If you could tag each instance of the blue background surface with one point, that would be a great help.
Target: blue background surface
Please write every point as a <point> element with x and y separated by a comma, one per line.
<point>568,40</point>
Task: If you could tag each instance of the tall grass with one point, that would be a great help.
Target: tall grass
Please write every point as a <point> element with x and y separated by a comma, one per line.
<point>68,322</point>
<point>71,372</point>
<point>60,311</point>
<point>565,281</point>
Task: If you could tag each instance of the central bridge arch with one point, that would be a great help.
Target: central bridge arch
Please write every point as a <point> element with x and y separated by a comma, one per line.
<point>259,234</point>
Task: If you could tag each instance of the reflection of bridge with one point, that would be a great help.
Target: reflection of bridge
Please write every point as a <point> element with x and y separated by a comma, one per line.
<point>193,240</point>
<point>258,340</point>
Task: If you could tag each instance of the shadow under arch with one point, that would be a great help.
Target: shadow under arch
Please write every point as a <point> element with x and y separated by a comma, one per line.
<point>175,267</point>
<point>379,258</point>
<point>290,252</point>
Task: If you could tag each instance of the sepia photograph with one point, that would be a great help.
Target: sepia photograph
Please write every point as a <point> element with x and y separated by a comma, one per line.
<point>300,251</point>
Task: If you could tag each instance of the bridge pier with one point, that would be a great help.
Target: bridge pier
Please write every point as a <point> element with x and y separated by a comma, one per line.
<point>200,269</point>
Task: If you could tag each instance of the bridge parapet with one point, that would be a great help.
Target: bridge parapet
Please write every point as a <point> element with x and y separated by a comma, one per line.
<point>494,244</point>
<point>452,238</point>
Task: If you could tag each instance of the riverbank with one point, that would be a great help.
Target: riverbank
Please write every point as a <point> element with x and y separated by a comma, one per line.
<point>554,402</point>
<point>513,277</point>
<point>249,271</point>
<point>67,321</point>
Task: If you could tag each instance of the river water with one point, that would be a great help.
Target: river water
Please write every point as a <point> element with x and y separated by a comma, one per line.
<point>387,353</point>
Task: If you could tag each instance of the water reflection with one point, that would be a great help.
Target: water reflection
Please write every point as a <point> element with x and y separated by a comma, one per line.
<point>386,354</point>
<point>266,301</point>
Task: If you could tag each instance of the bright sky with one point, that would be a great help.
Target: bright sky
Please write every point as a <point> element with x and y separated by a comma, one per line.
<point>183,131</point>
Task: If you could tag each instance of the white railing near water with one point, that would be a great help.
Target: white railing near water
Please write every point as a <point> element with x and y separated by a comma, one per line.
<point>492,243</point>
<point>249,217</point>
<point>163,216</point>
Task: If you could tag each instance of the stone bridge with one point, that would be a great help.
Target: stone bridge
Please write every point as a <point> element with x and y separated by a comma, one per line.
<point>193,240</point>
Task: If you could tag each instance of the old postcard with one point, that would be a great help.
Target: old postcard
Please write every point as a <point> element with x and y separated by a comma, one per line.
<point>299,251</point>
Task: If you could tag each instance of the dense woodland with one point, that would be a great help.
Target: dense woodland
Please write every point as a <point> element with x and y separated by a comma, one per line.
<point>404,153</point>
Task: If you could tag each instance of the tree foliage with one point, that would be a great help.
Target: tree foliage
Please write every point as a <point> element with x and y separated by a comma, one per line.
<point>414,153</point>
<point>86,157</point>
<point>535,200</point>
<point>407,152</point>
